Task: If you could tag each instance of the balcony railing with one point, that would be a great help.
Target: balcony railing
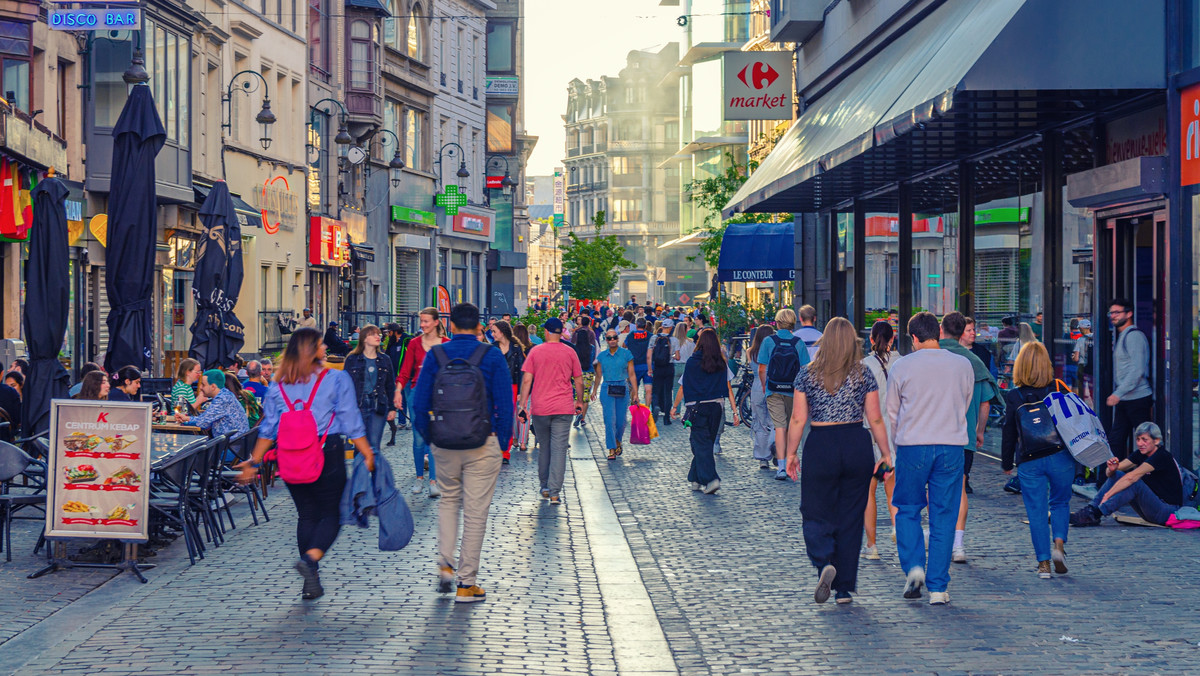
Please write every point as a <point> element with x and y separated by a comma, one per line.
<point>572,152</point>
<point>586,150</point>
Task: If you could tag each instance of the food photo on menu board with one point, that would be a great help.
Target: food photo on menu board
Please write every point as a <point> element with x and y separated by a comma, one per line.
<point>101,459</point>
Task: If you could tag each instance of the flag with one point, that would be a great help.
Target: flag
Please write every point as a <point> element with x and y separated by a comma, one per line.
<point>8,213</point>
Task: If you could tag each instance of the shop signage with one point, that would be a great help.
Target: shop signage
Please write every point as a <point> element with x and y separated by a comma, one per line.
<point>473,224</point>
<point>282,205</point>
<point>493,182</point>
<point>95,19</point>
<point>559,198</point>
<point>502,86</point>
<point>1189,134</point>
<point>327,243</point>
<point>450,199</point>
<point>758,85</point>
<point>98,472</point>
<point>1141,134</point>
<point>356,225</point>
<point>363,253</point>
<point>417,216</point>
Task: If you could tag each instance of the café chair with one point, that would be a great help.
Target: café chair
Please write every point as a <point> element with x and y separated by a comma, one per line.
<point>14,463</point>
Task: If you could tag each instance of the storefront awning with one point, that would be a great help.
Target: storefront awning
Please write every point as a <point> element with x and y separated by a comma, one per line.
<point>248,216</point>
<point>757,252</point>
<point>970,76</point>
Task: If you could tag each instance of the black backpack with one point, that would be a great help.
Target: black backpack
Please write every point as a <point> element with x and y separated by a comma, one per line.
<point>1035,429</point>
<point>783,365</point>
<point>461,409</point>
<point>662,351</point>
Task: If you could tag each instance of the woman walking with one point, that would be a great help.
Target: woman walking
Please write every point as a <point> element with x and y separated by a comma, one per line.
<point>705,387</point>
<point>432,333</point>
<point>125,385</point>
<point>760,422</point>
<point>837,393</point>
<point>374,383</point>
<point>881,357</point>
<point>617,386</point>
<point>302,378</point>
<point>1049,470</point>
<point>585,347</point>
<point>514,356</point>
<point>521,334</point>
<point>682,353</point>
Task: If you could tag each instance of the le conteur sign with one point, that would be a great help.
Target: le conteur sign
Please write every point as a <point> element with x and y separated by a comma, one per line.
<point>758,85</point>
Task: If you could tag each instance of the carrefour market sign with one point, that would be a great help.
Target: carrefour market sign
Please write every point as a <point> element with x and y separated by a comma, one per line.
<point>758,85</point>
<point>94,19</point>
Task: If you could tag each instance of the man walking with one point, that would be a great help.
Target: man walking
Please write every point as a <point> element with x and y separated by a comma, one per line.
<point>1132,397</point>
<point>662,372</point>
<point>807,332</point>
<point>779,360</point>
<point>638,343</point>
<point>548,372</point>
<point>928,395</point>
<point>397,341</point>
<point>467,477</point>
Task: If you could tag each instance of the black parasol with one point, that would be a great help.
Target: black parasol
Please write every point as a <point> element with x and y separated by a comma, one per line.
<point>47,287</point>
<point>216,332</point>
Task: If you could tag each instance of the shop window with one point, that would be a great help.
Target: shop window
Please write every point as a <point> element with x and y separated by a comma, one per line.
<point>362,56</point>
<point>881,262</point>
<point>501,47</point>
<point>15,52</point>
<point>500,128</point>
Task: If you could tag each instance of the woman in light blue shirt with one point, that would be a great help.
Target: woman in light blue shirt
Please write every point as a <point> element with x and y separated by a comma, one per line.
<point>617,387</point>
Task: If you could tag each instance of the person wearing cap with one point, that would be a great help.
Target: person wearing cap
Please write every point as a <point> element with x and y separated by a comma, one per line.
<point>333,342</point>
<point>224,414</point>
<point>662,371</point>
<point>547,375</point>
<point>1081,358</point>
<point>308,321</point>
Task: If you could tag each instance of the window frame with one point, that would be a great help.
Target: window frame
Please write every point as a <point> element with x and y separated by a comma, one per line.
<point>512,47</point>
<point>351,60</point>
<point>417,34</point>
<point>511,109</point>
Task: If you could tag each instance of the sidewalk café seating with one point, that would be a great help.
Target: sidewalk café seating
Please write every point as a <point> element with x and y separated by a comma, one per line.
<point>242,446</point>
<point>14,463</point>
<point>170,497</point>
<point>205,495</point>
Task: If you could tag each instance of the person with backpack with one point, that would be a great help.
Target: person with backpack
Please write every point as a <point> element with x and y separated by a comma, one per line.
<point>432,333</point>
<point>1132,397</point>
<point>881,357</point>
<point>638,344</point>
<point>463,406</point>
<point>308,413</point>
<point>584,342</point>
<point>779,360</point>
<point>807,332</point>
<point>374,383</point>
<point>1030,442</point>
<point>548,373</point>
<point>663,347</point>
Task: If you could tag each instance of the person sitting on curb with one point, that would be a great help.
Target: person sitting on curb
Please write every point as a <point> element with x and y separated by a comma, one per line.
<point>1149,479</point>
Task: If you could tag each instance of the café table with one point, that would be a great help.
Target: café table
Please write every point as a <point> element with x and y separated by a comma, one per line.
<point>167,445</point>
<point>176,428</point>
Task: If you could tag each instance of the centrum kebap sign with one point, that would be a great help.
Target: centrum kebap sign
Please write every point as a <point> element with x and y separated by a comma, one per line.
<point>758,85</point>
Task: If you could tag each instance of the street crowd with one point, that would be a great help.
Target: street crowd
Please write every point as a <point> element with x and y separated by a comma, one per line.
<point>841,418</point>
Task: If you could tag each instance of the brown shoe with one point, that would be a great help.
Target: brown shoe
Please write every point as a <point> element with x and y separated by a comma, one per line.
<point>1044,570</point>
<point>1058,554</point>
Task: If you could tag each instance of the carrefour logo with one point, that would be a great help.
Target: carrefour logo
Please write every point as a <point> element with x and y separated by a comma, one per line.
<point>758,75</point>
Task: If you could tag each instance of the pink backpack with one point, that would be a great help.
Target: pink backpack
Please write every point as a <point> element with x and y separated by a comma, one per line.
<point>300,452</point>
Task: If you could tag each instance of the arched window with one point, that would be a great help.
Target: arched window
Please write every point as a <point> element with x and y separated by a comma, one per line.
<point>416,33</point>
<point>362,66</point>
<point>393,28</point>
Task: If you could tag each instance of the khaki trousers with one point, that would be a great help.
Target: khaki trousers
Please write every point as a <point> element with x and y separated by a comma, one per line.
<point>468,480</point>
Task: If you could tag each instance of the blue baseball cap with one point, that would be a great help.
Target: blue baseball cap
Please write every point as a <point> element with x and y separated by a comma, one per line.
<point>553,325</point>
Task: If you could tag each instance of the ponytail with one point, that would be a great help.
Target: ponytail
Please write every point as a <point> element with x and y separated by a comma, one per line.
<point>881,339</point>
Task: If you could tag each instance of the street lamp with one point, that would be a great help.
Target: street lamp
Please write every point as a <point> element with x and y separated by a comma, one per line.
<point>342,138</point>
<point>506,183</point>
<point>462,162</point>
<point>246,85</point>
<point>396,165</point>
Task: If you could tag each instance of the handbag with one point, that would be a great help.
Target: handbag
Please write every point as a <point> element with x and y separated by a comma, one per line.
<point>639,428</point>
<point>1036,430</point>
<point>617,390</point>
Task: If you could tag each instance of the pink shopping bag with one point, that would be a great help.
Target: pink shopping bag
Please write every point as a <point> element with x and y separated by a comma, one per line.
<point>639,429</point>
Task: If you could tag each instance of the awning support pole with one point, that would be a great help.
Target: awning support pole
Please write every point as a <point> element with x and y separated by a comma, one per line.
<point>1052,207</point>
<point>904,281</point>
<point>860,267</point>
<point>966,238</point>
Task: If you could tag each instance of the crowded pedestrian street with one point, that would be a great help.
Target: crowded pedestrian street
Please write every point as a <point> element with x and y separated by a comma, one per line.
<point>633,574</point>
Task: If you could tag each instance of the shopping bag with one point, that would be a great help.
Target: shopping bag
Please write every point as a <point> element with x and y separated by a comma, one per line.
<point>639,429</point>
<point>653,427</point>
<point>1079,428</point>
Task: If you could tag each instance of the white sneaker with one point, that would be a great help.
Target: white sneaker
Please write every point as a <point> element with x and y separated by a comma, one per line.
<point>696,485</point>
<point>959,555</point>
<point>434,491</point>
<point>418,485</point>
<point>939,598</point>
<point>871,553</point>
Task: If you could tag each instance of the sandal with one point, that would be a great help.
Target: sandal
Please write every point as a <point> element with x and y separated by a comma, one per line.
<point>619,449</point>
<point>612,454</point>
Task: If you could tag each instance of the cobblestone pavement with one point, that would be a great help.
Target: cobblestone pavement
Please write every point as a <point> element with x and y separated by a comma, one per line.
<point>239,610</point>
<point>732,585</point>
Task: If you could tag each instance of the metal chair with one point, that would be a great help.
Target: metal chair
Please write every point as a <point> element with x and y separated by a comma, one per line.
<point>242,447</point>
<point>13,463</point>
<point>172,502</point>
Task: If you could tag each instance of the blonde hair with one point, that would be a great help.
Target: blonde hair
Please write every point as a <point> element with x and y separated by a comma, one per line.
<point>299,359</point>
<point>840,353</point>
<point>1032,367</point>
<point>681,330</point>
<point>785,318</point>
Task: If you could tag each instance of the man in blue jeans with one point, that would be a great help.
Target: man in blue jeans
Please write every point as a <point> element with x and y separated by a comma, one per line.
<point>928,394</point>
<point>1149,480</point>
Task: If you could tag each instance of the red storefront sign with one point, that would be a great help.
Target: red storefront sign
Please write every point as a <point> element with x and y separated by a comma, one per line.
<point>472,224</point>
<point>494,182</point>
<point>1189,135</point>
<point>327,242</point>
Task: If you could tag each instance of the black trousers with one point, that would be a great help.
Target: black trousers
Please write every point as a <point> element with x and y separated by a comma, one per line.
<point>706,420</point>
<point>318,504</point>
<point>834,482</point>
<point>660,391</point>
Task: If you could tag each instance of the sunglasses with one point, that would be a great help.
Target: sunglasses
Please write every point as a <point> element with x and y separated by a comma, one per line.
<point>610,337</point>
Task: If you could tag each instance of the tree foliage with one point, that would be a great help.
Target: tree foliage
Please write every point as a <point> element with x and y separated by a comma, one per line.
<point>594,265</point>
<point>713,194</point>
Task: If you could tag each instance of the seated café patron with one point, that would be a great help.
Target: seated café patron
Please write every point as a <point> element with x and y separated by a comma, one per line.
<point>224,413</point>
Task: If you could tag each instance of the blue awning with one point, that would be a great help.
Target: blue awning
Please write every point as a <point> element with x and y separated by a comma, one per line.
<point>757,252</point>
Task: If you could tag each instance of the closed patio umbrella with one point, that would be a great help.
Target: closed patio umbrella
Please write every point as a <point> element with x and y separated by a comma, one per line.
<point>47,287</point>
<point>132,232</point>
<point>212,345</point>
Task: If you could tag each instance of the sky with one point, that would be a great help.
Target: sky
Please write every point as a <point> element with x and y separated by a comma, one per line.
<point>566,39</point>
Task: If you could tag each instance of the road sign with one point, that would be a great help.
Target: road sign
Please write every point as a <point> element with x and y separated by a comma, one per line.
<point>661,283</point>
<point>566,282</point>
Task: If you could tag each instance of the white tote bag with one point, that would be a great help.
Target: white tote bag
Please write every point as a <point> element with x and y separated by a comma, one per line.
<point>1079,428</point>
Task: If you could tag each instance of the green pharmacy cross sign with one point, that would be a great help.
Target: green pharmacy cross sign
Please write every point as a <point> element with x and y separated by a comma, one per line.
<point>450,199</point>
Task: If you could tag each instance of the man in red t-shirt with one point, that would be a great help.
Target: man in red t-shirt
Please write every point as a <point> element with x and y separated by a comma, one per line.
<point>548,373</point>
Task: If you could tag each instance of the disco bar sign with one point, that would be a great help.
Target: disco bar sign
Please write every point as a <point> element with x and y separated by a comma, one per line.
<point>95,19</point>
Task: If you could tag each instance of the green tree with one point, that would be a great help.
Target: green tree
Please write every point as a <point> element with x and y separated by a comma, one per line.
<point>594,265</point>
<point>713,194</point>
